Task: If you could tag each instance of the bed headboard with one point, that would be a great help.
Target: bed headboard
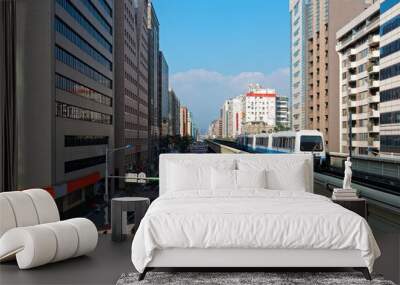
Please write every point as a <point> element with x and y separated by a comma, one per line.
<point>212,158</point>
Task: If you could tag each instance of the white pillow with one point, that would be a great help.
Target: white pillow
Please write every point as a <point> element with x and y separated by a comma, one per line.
<point>194,174</point>
<point>181,177</point>
<point>283,173</point>
<point>223,179</point>
<point>251,178</point>
<point>290,178</point>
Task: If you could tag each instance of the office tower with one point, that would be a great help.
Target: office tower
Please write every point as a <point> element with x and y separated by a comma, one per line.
<point>315,63</point>
<point>390,77</point>
<point>64,97</point>
<point>154,113</point>
<point>163,95</point>
<point>259,105</point>
<point>226,117</point>
<point>183,121</point>
<point>131,85</point>
<point>173,114</point>
<point>358,48</point>
<point>298,61</point>
<point>282,111</point>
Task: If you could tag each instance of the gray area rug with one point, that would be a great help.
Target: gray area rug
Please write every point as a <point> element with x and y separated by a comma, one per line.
<point>228,278</point>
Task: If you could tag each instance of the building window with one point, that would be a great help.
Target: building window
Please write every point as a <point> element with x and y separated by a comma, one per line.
<point>390,25</point>
<point>390,48</point>
<point>77,113</point>
<point>106,7</point>
<point>390,95</point>
<point>390,143</point>
<point>362,54</point>
<point>73,62</point>
<point>390,118</point>
<point>88,4</point>
<point>361,68</point>
<point>390,71</point>
<point>70,141</point>
<point>76,88</point>
<point>387,5</point>
<point>74,13</point>
<point>74,165</point>
<point>77,40</point>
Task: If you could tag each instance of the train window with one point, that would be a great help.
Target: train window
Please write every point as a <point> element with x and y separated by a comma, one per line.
<point>292,143</point>
<point>311,143</point>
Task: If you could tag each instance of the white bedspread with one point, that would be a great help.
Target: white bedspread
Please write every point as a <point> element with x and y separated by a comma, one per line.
<point>250,219</point>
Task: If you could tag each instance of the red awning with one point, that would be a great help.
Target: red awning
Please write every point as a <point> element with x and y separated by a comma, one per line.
<point>83,182</point>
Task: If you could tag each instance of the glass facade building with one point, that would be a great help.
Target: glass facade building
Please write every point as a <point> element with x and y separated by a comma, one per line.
<point>390,78</point>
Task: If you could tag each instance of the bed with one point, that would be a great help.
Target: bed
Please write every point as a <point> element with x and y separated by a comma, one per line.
<point>246,211</point>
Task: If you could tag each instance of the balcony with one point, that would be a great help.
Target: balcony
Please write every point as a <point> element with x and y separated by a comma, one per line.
<point>373,84</point>
<point>373,114</point>
<point>360,116</point>
<point>352,91</point>
<point>359,130</point>
<point>352,104</point>
<point>374,99</point>
<point>353,64</point>
<point>374,142</point>
<point>352,78</point>
<point>373,128</point>
<point>374,54</point>
<point>374,40</point>
<point>373,68</point>
<point>357,143</point>
<point>353,51</point>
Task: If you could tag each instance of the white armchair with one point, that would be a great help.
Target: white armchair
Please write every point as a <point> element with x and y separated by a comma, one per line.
<point>31,230</point>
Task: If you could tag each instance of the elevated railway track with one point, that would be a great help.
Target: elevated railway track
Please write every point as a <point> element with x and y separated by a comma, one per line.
<point>382,174</point>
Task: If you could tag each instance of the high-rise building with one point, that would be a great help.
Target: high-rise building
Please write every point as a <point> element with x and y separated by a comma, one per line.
<point>189,124</point>
<point>390,77</point>
<point>163,88</point>
<point>314,62</point>
<point>282,111</point>
<point>326,18</point>
<point>259,105</point>
<point>298,61</point>
<point>142,80</point>
<point>153,57</point>
<point>358,47</point>
<point>214,130</point>
<point>64,98</point>
<point>226,118</point>
<point>173,114</point>
<point>131,85</point>
<point>183,121</point>
<point>238,115</point>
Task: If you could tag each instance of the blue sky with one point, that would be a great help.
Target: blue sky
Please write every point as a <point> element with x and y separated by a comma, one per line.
<point>215,48</point>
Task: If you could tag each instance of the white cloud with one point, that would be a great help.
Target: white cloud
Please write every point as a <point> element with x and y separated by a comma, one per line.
<point>204,91</point>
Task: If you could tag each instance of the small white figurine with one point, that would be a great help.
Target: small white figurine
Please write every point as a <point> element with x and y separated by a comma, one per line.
<point>347,174</point>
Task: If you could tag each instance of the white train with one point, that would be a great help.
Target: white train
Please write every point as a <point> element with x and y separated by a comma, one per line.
<point>306,141</point>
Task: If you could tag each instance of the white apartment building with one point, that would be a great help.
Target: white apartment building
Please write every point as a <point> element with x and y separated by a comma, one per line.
<point>232,116</point>
<point>259,105</point>
<point>390,77</point>
<point>237,115</point>
<point>189,124</point>
<point>226,119</point>
<point>358,48</point>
